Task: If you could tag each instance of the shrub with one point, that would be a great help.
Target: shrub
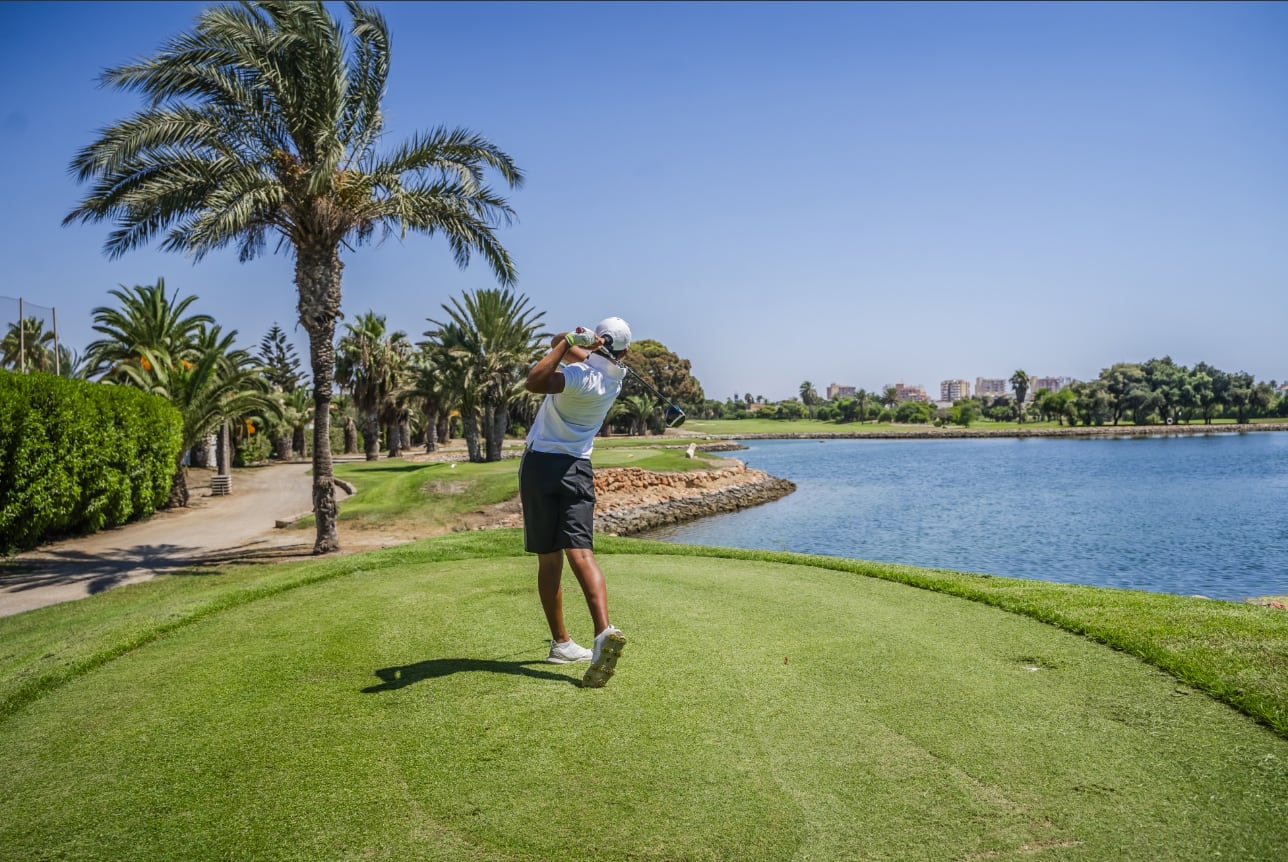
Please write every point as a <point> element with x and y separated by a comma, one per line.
<point>252,449</point>
<point>912,412</point>
<point>76,457</point>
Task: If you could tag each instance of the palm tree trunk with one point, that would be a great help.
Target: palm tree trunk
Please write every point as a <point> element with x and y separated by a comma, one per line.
<point>282,442</point>
<point>317,278</point>
<point>223,450</point>
<point>350,436</point>
<point>393,433</point>
<point>431,429</point>
<point>298,441</point>
<point>445,426</point>
<point>496,440</point>
<point>495,420</point>
<point>178,488</point>
<point>371,437</point>
<point>470,429</point>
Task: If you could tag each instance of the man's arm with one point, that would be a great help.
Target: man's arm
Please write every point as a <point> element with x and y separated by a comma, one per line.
<point>545,378</point>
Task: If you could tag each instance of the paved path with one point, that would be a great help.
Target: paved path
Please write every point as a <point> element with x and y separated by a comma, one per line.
<point>211,530</point>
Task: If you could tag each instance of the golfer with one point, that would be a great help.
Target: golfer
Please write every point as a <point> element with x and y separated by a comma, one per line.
<point>557,485</point>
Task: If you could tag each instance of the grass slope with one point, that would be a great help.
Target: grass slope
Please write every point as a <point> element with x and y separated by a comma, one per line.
<point>769,706</point>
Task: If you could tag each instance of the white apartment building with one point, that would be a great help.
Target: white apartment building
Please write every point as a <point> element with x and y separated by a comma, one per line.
<point>954,390</point>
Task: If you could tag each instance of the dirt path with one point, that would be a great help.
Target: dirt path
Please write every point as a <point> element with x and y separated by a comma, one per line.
<point>212,529</point>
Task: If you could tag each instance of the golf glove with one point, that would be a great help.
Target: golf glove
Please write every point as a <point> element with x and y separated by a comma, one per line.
<point>582,337</point>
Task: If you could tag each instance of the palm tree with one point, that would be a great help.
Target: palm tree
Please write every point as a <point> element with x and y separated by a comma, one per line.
<point>369,364</point>
<point>299,413</point>
<point>428,390</point>
<point>71,364</point>
<point>809,397</point>
<point>493,335</point>
<point>863,397</point>
<point>221,384</point>
<point>889,396</point>
<point>638,408</point>
<point>28,346</point>
<point>395,417</point>
<point>294,411</point>
<point>146,320</point>
<point>1020,383</point>
<point>264,123</point>
<point>342,407</point>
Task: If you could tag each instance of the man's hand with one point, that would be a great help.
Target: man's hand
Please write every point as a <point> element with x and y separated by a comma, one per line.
<point>583,337</point>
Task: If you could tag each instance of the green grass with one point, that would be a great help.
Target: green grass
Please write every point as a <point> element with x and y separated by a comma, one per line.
<point>434,495</point>
<point>769,706</point>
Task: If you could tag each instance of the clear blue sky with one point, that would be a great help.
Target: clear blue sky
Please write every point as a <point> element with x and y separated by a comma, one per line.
<point>859,194</point>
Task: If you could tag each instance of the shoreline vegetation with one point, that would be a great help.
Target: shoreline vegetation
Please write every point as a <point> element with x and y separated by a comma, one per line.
<point>901,432</point>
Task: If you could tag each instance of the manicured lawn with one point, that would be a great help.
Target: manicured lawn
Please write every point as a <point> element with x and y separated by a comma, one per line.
<point>769,706</point>
<point>434,495</point>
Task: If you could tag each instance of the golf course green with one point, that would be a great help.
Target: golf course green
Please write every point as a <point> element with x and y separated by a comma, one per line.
<point>395,705</point>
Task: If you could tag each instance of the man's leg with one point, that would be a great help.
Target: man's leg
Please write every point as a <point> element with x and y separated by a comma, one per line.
<point>592,583</point>
<point>609,640</point>
<point>549,576</point>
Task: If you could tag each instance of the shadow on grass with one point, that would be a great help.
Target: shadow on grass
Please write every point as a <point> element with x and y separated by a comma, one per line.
<point>399,466</point>
<point>408,674</point>
<point>101,570</point>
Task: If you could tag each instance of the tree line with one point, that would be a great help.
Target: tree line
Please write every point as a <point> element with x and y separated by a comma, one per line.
<point>1155,392</point>
<point>463,378</point>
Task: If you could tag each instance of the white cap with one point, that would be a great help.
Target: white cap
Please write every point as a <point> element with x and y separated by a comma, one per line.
<point>615,332</point>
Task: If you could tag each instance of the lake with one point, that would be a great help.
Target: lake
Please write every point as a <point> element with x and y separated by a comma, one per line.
<point>1203,514</point>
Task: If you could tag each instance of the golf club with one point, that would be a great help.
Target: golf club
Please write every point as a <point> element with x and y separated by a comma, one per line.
<point>673,417</point>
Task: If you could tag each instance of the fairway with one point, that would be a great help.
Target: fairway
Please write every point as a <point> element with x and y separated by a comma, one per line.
<point>761,711</point>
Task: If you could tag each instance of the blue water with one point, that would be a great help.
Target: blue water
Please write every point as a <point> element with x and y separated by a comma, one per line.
<point>1205,514</point>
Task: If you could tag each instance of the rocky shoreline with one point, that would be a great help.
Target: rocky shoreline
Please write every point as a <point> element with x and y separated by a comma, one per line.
<point>631,500</point>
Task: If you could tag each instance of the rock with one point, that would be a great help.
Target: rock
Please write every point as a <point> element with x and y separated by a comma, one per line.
<point>631,500</point>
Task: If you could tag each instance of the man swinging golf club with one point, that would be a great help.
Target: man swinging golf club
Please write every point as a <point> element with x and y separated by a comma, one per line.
<point>557,485</point>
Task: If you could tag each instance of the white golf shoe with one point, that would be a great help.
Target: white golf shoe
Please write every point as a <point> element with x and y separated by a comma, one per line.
<point>567,652</point>
<point>603,662</point>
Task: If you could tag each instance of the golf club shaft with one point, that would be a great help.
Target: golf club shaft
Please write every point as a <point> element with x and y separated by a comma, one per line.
<point>649,386</point>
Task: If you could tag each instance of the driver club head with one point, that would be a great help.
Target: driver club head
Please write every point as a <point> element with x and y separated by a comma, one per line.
<point>674,416</point>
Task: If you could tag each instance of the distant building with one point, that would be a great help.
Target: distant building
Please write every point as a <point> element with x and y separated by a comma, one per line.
<point>1051,384</point>
<point>993,386</point>
<point>954,390</point>
<point>910,393</point>
<point>835,391</point>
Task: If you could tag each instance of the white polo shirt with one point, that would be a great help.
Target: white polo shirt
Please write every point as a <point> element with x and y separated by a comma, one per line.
<point>568,421</point>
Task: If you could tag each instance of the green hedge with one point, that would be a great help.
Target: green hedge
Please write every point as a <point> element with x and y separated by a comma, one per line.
<point>76,457</point>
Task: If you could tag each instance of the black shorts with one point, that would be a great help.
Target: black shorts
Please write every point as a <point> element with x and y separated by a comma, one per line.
<point>558,497</point>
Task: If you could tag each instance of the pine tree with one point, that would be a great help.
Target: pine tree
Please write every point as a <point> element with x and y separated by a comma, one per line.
<point>281,364</point>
